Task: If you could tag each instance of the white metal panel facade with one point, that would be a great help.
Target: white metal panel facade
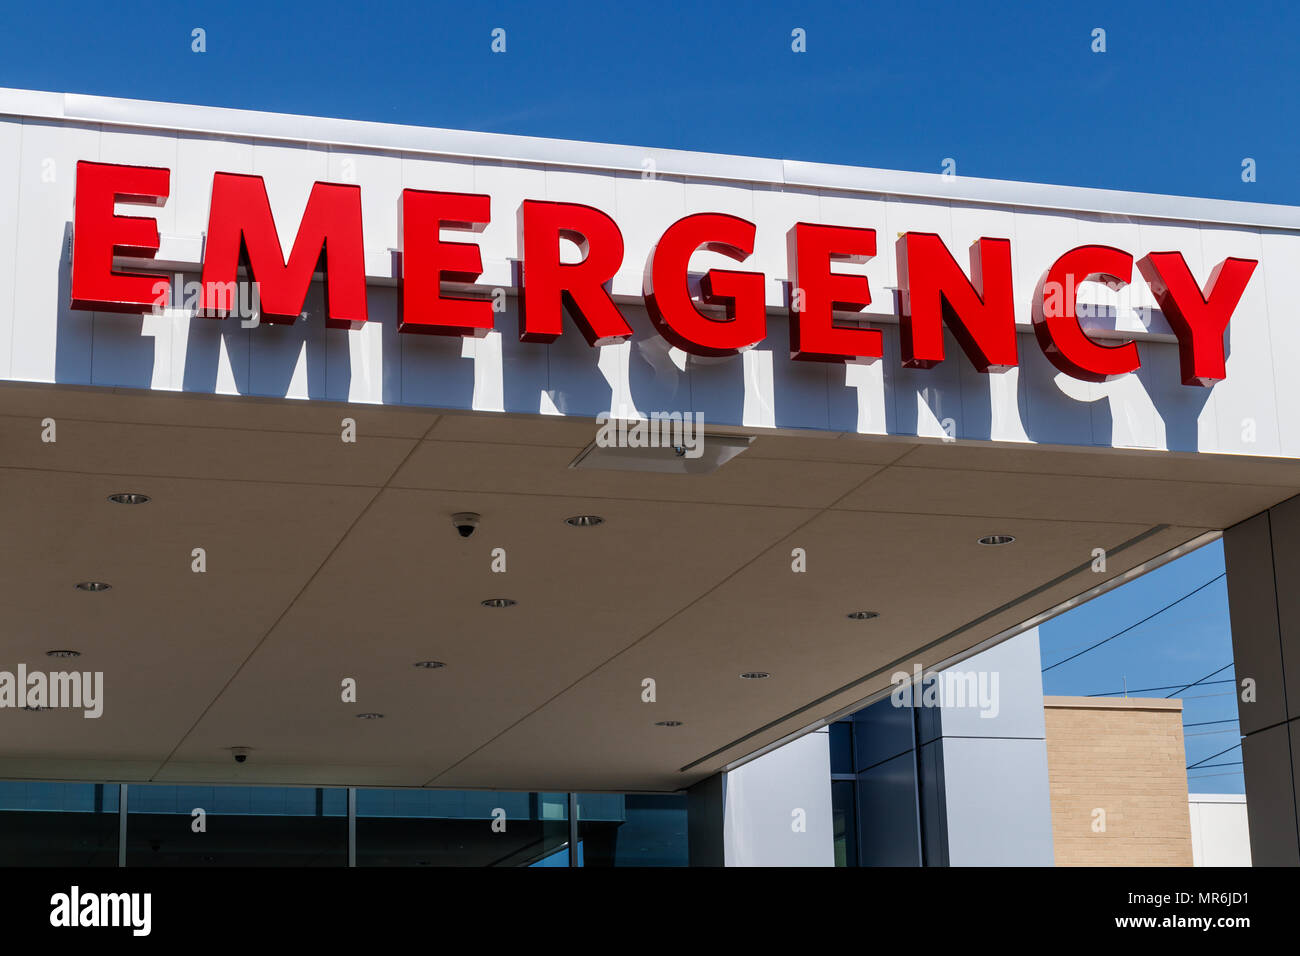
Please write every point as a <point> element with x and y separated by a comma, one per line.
<point>43,136</point>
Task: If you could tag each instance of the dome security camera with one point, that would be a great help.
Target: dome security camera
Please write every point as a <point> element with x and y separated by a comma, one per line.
<point>465,522</point>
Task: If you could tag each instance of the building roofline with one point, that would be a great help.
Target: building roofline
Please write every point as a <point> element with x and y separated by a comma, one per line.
<point>1113,703</point>
<point>389,137</point>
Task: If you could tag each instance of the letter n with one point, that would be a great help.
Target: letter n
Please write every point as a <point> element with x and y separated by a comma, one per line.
<point>980,311</point>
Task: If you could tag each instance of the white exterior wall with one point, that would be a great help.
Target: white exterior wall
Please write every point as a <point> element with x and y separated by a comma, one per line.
<point>768,798</point>
<point>1220,831</point>
<point>43,135</point>
<point>997,797</point>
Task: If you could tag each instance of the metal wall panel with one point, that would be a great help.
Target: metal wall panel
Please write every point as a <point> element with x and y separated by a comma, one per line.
<point>645,190</point>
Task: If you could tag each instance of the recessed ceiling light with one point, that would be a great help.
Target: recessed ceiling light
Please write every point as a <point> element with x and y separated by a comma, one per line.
<point>997,539</point>
<point>584,521</point>
<point>62,653</point>
<point>370,716</point>
<point>93,586</point>
<point>862,615</point>
<point>755,675</point>
<point>499,602</point>
<point>668,723</point>
<point>128,498</point>
<point>430,665</point>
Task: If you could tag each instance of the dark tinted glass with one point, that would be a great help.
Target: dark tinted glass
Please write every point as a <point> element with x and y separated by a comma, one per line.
<point>881,732</point>
<point>58,824</point>
<point>842,746</point>
<point>632,830</point>
<point>238,826</point>
<point>843,821</point>
<point>460,828</point>
<point>887,818</point>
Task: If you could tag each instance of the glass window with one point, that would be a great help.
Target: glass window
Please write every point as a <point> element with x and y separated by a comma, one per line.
<point>843,819</point>
<point>238,826</point>
<point>882,732</point>
<point>75,824</point>
<point>888,824</point>
<point>842,746</point>
<point>461,828</point>
<point>58,824</point>
<point>632,829</point>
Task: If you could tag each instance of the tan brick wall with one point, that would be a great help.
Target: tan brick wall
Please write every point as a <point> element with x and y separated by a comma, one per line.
<point>1125,757</point>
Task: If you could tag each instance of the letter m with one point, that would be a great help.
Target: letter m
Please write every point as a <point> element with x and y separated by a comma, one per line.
<point>241,231</point>
<point>65,687</point>
<point>117,909</point>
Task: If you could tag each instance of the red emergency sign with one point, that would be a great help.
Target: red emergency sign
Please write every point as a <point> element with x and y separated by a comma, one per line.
<point>976,305</point>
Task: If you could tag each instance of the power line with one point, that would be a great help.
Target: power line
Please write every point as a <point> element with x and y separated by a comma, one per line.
<point>1144,690</point>
<point>1190,618</point>
<point>1230,763</point>
<point>1212,756</point>
<point>1206,723</point>
<point>1138,624</point>
<point>1195,682</point>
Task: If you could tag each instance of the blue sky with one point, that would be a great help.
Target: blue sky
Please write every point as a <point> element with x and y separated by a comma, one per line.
<point>1174,105</point>
<point>1187,642</point>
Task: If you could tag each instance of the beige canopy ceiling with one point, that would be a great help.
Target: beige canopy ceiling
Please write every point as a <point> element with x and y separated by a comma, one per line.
<point>329,560</point>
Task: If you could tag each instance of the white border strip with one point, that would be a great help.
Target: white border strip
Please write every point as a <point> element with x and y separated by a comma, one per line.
<point>356,134</point>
